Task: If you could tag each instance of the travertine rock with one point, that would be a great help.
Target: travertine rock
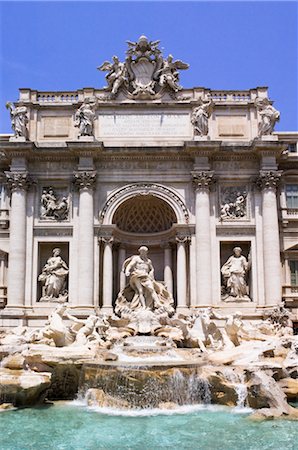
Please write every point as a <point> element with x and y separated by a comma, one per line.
<point>23,388</point>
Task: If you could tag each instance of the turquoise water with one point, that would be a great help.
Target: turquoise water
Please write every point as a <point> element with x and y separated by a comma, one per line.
<point>75,427</point>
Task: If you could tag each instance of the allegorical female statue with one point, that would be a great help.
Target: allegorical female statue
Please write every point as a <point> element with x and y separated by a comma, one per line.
<point>53,277</point>
<point>84,117</point>
<point>234,271</point>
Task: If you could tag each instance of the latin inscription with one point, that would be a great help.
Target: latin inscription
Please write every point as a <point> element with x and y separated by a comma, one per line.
<point>144,125</point>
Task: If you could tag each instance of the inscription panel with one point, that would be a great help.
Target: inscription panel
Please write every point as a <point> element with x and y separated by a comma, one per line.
<point>144,125</point>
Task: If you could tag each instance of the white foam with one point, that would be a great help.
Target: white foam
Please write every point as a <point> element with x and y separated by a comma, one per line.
<point>184,409</point>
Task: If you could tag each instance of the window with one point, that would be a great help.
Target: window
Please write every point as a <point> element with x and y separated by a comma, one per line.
<point>292,195</point>
<point>292,148</point>
<point>294,272</point>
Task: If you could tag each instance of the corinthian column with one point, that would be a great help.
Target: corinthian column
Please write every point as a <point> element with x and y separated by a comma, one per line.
<point>168,275</point>
<point>107,276</point>
<point>202,182</point>
<point>181,271</point>
<point>268,182</point>
<point>85,181</point>
<point>18,183</point>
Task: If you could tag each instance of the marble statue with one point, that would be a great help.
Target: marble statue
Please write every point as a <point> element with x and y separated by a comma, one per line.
<point>143,291</point>
<point>200,116</point>
<point>169,75</point>
<point>53,277</point>
<point>233,205</point>
<point>234,271</point>
<point>19,120</point>
<point>117,74</point>
<point>90,330</point>
<point>51,207</point>
<point>84,117</point>
<point>269,116</point>
<point>56,328</point>
<point>203,332</point>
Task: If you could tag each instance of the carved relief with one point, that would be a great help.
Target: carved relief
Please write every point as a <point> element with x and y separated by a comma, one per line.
<point>19,120</point>
<point>51,207</point>
<point>233,203</point>
<point>145,73</point>
<point>200,116</point>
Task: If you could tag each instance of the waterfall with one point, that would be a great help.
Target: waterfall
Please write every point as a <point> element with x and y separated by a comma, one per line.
<point>143,387</point>
<point>241,390</point>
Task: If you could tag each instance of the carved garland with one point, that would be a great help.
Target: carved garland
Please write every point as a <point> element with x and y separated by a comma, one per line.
<point>144,188</point>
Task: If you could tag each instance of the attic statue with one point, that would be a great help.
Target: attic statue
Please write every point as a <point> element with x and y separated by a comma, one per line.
<point>19,120</point>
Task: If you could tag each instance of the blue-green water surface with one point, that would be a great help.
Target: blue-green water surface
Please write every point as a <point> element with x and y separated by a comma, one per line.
<point>75,427</point>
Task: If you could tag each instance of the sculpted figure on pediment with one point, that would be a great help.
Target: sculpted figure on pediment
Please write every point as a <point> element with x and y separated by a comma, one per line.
<point>145,73</point>
<point>117,75</point>
<point>269,116</point>
<point>19,120</point>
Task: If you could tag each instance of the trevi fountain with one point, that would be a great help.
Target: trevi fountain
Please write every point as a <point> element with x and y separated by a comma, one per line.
<point>141,292</point>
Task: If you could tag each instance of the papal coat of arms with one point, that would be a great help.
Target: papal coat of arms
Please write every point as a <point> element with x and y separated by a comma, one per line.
<point>145,73</point>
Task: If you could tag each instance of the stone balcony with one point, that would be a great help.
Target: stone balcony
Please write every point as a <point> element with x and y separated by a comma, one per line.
<point>4,219</point>
<point>289,215</point>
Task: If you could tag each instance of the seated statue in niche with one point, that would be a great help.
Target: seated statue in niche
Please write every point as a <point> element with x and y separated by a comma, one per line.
<point>234,273</point>
<point>53,277</point>
<point>143,291</point>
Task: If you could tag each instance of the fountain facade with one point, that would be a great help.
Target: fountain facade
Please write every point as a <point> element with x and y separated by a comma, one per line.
<point>143,229</point>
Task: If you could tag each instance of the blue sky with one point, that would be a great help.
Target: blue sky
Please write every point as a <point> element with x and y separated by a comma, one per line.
<point>229,45</point>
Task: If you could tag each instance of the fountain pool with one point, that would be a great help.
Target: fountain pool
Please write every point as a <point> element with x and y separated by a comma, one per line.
<point>73,426</point>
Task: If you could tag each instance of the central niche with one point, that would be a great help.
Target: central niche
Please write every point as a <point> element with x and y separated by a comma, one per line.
<point>144,214</point>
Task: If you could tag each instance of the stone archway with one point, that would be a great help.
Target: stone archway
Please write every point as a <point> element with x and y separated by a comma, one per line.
<point>143,214</point>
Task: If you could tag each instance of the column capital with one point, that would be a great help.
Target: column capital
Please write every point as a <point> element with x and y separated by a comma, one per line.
<point>106,239</point>
<point>182,238</point>
<point>84,179</point>
<point>269,179</point>
<point>202,179</point>
<point>18,181</point>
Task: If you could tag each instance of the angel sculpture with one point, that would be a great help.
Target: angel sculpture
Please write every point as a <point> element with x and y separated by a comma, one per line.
<point>117,74</point>
<point>169,75</point>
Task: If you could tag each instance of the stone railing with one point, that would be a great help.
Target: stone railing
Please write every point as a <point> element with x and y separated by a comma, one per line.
<point>290,293</point>
<point>4,218</point>
<point>228,96</point>
<point>289,214</point>
<point>57,97</point>
<point>3,296</point>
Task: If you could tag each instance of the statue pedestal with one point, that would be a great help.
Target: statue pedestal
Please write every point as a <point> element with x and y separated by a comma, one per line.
<point>201,138</point>
<point>269,137</point>
<point>17,139</point>
<point>86,138</point>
